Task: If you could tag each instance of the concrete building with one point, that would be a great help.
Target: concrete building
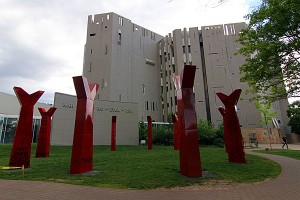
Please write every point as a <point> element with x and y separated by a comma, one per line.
<point>122,57</point>
<point>133,64</point>
<point>134,67</point>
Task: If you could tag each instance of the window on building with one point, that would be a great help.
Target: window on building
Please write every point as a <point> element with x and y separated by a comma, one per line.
<point>189,48</point>
<point>102,85</point>
<point>91,51</point>
<point>171,102</point>
<point>173,67</point>
<point>172,51</point>
<point>147,105</point>
<point>107,16</point>
<point>90,67</point>
<point>105,50</point>
<point>183,49</point>
<point>121,21</point>
<point>143,89</point>
<point>119,37</point>
<point>92,34</point>
<point>153,106</point>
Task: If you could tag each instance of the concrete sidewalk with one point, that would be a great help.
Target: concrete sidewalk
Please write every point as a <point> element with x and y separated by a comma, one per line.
<point>286,187</point>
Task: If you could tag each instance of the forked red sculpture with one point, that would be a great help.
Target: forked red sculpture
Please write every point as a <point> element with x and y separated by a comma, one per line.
<point>190,164</point>
<point>232,127</point>
<point>43,145</point>
<point>149,119</point>
<point>82,149</point>
<point>21,149</point>
<point>226,139</point>
<point>175,132</point>
<point>113,133</point>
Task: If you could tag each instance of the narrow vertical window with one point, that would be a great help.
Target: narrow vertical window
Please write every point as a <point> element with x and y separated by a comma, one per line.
<point>183,49</point>
<point>90,67</point>
<point>119,36</point>
<point>143,89</point>
<point>105,50</point>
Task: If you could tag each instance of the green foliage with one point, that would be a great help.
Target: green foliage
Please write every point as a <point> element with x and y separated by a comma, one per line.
<point>142,131</point>
<point>209,135</point>
<point>293,113</point>
<point>163,135</point>
<point>264,108</point>
<point>271,44</point>
<point>135,167</point>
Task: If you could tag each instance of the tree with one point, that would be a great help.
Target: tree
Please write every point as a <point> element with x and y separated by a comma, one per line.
<point>264,108</point>
<point>271,45</point>
<point>293,113</point>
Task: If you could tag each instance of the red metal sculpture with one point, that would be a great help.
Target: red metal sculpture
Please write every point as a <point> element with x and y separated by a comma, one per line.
<point>21,149</point>
<point>82,150</point>
<point>190,164</point>
<point>113,133</point>
<point>43,145</point>
<point>226,139</point>
<point>176,132</point>
<point>149,119</point>
<point>234,138</point>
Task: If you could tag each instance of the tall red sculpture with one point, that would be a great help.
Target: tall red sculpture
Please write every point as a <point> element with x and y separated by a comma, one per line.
<point>43,145</point>
<point>113,133</point>
<point>149,119</point>
<point>234,138</point>
<point>226,139</point>
<point>176,132</point>
<point>190,164</point>
<point>21,149</point>
<point>82,150</point>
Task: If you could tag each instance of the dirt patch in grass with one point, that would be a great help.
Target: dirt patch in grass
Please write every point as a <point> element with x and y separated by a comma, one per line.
<point>212,184</point>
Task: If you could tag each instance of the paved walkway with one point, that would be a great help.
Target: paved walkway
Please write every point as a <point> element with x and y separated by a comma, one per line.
<point>286,187</point>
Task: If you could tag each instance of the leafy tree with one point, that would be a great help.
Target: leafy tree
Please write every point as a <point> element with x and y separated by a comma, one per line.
<point>294,114</point>
<point>264,108</point>
<point>271,45</point>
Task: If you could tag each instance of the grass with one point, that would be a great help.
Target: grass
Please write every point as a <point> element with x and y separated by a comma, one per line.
<point>135,167</point>
<point>283,152</point>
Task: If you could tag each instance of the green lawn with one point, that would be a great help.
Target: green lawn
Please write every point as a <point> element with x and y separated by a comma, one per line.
<point>283,152</point>
<point>138,168</point>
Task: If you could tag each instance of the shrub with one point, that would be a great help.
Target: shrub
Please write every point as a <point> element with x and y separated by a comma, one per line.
<point>209,135</point>
<point>163,135</point>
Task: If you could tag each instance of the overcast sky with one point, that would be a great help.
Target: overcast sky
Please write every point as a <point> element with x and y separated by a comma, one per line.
<point>42,41</point>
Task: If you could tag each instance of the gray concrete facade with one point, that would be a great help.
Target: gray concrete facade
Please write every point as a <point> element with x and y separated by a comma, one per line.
<point>63,121</point>
<point>133,64</point>
<point>122,57</point>
<point>212,49</point>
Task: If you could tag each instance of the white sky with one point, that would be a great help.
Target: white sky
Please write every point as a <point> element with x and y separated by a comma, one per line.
<point>42,41</point>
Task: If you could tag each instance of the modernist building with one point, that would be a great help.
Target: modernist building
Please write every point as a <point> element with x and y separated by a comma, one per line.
<point>134,67</point>
<point>134,64</point>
